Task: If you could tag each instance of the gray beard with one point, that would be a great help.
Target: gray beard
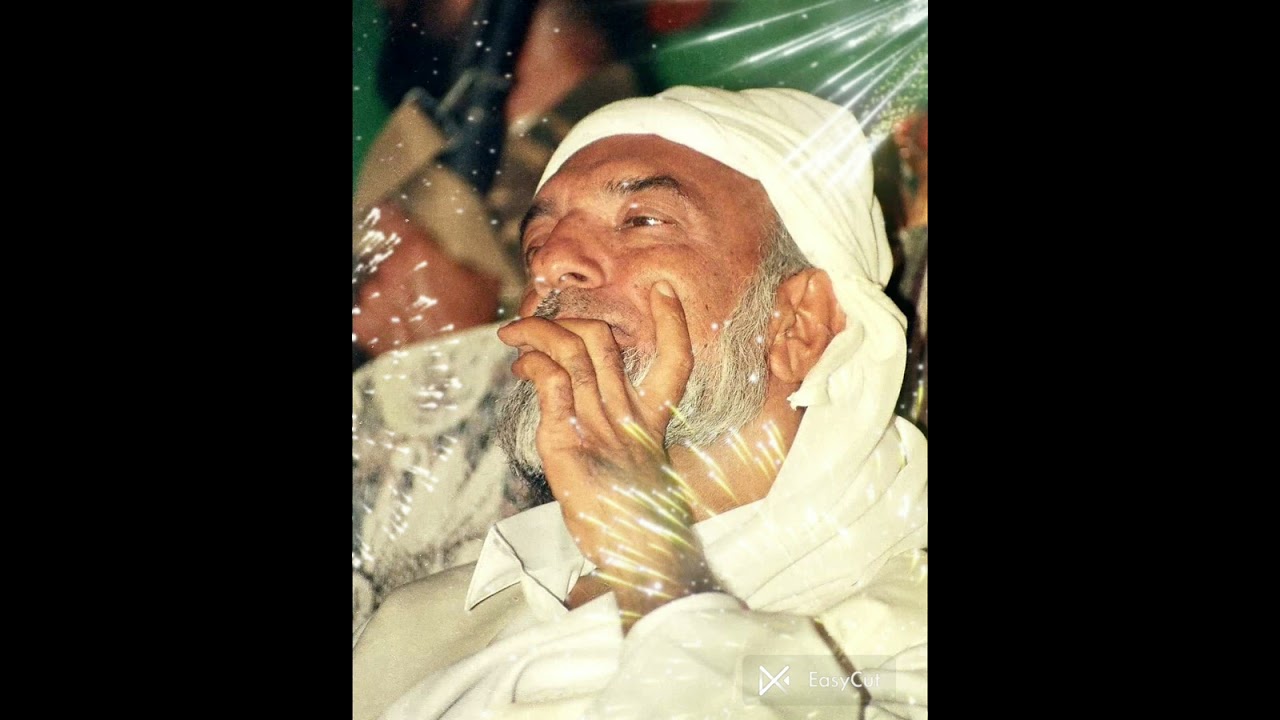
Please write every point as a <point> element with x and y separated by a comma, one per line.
<point>726,391</point>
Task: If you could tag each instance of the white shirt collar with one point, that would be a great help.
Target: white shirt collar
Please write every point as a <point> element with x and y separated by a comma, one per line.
<point>534,548</point>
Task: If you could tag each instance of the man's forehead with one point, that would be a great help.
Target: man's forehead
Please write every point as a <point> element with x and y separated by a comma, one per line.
<point>622,158</point>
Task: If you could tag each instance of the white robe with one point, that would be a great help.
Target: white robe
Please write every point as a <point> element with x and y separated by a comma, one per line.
<point>494,640</point>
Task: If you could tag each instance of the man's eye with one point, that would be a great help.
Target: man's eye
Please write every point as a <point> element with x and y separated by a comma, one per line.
<point>641,221</point>
<point>528,254</point>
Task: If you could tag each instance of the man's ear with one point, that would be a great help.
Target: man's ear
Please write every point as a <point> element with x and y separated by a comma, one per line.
<point>806,316</point>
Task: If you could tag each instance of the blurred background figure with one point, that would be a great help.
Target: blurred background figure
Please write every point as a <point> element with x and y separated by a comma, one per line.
<point>484,90</point>
<point>911,140</point>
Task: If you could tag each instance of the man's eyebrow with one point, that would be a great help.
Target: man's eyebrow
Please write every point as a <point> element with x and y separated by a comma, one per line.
<point>631,186</point>
<point>622,188</point>
<point>537,210</point>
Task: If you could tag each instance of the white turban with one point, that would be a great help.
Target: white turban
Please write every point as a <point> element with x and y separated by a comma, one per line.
<point>853,489</point>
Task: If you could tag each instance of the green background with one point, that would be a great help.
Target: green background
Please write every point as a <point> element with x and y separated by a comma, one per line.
<point>878,67</point>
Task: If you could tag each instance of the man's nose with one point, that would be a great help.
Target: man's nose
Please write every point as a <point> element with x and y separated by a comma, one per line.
<point>569,258</point>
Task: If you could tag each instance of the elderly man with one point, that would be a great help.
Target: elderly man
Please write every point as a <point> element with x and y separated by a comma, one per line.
<point>709,370</point>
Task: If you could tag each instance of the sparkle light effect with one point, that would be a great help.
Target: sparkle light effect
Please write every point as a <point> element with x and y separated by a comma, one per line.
<point>743,451</point>
<point>422,302</point>
<point>373,247</point>
<point>755,25</point>
<point>716,474</point>
<point>640,435</point>
<point>864,21</point>
<point>869,56</point>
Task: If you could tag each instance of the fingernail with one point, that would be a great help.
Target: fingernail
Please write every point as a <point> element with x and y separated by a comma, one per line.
<point>664,288</point>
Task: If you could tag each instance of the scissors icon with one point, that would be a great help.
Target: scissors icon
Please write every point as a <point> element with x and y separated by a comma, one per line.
<point>774,681</point>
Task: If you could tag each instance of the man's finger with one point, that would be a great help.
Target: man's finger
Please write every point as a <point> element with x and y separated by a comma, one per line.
<point>555,392</point>
<point>607,359</point>
<point>569,352</point>
<point>674,362</point>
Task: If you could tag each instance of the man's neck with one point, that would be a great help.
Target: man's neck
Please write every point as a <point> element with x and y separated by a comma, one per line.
<point>739,469</point>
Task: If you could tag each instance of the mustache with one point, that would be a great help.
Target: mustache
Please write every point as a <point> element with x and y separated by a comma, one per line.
<point>549,307</point>
<point>578,303</point>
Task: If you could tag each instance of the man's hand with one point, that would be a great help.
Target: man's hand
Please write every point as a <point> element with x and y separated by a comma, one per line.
<point>601,443</point>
